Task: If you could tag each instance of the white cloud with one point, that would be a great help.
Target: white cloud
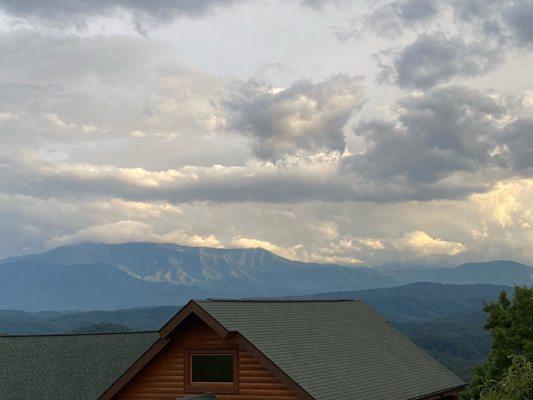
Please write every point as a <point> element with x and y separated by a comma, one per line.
<point>509,203</point>
<point>374,244</point>
<point>7,116</point>
<point>250,243</point>
<point>131,231</point>
<point>422,244</point>
<point>55,120</point>
<point>111,136</point>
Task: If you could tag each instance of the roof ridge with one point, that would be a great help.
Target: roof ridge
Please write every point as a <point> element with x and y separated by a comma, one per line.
<point>276,300</point>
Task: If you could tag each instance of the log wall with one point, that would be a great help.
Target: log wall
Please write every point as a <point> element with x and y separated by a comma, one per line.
<point>163,377</point>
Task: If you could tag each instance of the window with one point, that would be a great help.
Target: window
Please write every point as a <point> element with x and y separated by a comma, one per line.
<point>211,367</point>
<point>211,370</point>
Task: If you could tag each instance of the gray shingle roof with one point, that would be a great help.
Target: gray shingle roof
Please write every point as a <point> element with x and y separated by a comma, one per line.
<point>66,367</point>
<point>336,349</point>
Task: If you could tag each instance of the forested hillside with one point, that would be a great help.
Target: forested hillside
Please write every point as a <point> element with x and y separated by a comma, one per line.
<point>446,320</point>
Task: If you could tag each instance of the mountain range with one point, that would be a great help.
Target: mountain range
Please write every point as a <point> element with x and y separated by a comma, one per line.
<point>416,302</point>
<point>446,320</point>
<point>105,277</point>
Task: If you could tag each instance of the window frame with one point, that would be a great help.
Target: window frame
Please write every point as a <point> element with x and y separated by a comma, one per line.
<point>213,387</point>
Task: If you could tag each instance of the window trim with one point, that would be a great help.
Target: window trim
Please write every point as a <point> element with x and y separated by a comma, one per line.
<point>214,387</point>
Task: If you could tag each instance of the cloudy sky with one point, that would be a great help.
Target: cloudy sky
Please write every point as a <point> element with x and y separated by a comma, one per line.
<point>324,130</point>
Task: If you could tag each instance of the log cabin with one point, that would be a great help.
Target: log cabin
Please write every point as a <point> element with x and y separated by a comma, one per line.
<point>232,350</point>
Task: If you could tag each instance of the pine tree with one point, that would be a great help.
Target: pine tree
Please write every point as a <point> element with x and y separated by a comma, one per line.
<point>510,323</point>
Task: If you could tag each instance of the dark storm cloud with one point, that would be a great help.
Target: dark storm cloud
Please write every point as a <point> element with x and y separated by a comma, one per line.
<point>519,142</point>
<point>437,58</point>
<point>320,4</point>
<point>415,9</point>
<point>519,17</point>
<point>469,10</point>
<point>444,144</point>
<point>434,136</point>
<point>389,19</point>
<point>63,13</point>
<point>76,12</point>
<point>261,183</point>
<point>304,117</point>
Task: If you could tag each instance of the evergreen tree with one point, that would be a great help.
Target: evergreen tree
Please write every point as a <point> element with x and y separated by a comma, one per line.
<point>510,323</point>
<point>517,383</point>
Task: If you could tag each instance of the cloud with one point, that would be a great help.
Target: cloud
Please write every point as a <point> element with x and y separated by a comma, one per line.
<point>476,9</point>
<point>6,117</point>
<point>493,225</point>
<point>96,90</point>
<point>508,21</point>
<point>64,13</point>
<point>250,243</point>
<point>303,117</point>
<point>144,15</point>
<point>434,136</point>
<point>422,244</point>
<point>393,17</point>
<point>518,16</point>
<point>327,178</point>
<point>390,19</point>
<point>374,244</point>
<point>518,138</point>
<point>456,39</point>
<point>446,143</point>
<point>437,58</point>
<point>131,231</point>
<point>415,9</point>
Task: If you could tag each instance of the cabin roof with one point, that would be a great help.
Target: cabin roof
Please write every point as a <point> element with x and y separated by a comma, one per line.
<point>335,349</point>
<point>66,367</point>
<point>326,350</point>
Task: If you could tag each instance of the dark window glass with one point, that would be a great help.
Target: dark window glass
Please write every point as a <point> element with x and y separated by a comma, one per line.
<point>212,368</point>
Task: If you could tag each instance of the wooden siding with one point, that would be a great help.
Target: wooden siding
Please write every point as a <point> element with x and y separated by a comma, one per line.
<point>162,378</point>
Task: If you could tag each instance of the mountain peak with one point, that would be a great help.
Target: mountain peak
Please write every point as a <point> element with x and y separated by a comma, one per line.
<point>494,264</point>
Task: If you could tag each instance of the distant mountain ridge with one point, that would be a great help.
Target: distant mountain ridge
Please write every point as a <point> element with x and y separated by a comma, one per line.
<point>417,302</point>
<point>147,274</point>
<point>493,272</point>
<point>421,301</point>
<point>101,276</point>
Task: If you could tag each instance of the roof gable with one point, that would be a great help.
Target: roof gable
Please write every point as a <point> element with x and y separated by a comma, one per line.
<point>324,350</point>
<point>194,308</point>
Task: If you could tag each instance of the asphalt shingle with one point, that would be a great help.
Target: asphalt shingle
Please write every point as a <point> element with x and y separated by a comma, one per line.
<point>66,367</point>
<point>336,349</point>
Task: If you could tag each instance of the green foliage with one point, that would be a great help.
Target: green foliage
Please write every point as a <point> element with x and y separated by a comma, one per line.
<point>457,341</point>
<point>516,384</point>
<point>511,326</point>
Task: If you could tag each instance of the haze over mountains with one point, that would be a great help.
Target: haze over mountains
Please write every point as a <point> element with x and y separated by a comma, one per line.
<point>417,302</point>
<point>107,277</point>
<point>446,320</point>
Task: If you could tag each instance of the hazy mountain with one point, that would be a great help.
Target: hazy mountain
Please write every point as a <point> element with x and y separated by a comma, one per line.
<point>107,277</point>
<point>100,276</point>
<point>494,272</point>
<point>415,302</point>
<point>446,320</point>
<point>421,301</point>
<point>46,285</point>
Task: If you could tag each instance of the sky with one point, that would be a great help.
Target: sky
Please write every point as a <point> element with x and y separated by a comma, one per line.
<point>352,132</point>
